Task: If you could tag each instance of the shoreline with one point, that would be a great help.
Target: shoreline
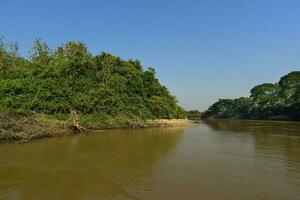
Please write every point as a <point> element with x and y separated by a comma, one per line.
<point>26,128</point>
<point>253,120</point>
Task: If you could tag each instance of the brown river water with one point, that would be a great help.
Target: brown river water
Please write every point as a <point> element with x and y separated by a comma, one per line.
<point>242,160</point>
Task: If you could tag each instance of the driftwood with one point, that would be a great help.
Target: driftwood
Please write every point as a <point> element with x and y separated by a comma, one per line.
<point>23,128</point>
<point>40,134</point>
<point>27,127</point>
<point>76,122</point>
<point>8,135</point>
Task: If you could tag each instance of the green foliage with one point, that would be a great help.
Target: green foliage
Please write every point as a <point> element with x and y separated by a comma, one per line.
<point>226,108</point>
<point>193,114</point>
<point>280,100</point>
<point>266,99</point>
<point>70,78</point>
<point>290,85</point>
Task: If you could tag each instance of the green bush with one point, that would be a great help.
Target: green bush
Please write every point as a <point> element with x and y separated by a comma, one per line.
<point>70,78</point>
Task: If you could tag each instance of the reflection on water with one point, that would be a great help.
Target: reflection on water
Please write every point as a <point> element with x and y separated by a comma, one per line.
<point>220,159</point>
<point>270,151</point>
<point>85,167</point>
<point>268,136</point>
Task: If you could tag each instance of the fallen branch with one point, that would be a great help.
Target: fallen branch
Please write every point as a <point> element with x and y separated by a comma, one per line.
<point>76,122</point>
<point>40,134</point>
<point>8,135</point>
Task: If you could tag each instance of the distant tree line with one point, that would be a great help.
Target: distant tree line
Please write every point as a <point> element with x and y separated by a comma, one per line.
<point>71,78</point>
<point>194,114</point>
<point>267,101</point>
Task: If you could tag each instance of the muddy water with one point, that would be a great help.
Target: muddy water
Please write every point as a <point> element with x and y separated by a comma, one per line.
<point>210,160</point>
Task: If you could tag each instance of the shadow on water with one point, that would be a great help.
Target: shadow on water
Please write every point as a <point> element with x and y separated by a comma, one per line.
<point>104,165</point>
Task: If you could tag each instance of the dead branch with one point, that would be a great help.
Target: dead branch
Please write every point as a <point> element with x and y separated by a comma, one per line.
<point>76,122</point>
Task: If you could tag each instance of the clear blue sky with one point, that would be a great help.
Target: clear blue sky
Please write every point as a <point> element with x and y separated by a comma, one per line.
<point>201,50</point>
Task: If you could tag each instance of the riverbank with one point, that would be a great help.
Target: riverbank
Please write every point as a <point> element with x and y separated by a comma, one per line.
<point>20,127</point>
<point>269,118</point>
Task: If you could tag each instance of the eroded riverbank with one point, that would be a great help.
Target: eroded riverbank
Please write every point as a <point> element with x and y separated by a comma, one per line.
<point>14,127</point>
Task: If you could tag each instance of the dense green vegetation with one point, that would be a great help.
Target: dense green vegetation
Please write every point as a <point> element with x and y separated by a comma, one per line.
<point>70,78</point>
<point>193,114</point>
<point>267,101</point>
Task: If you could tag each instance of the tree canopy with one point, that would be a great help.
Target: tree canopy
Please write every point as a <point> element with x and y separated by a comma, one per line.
<point>71,78</point>
<point>267,101</point>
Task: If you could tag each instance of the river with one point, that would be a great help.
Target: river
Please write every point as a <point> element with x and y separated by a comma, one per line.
<point>220,159</point>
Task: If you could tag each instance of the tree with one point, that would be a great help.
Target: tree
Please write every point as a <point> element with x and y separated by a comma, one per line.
<point>243,107</point>
<point>276,101</point>
<point>194,114</point>
<point>266,101</point>
<point>223,108</point>
<point>289,85</point>
<point>40,53</point>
